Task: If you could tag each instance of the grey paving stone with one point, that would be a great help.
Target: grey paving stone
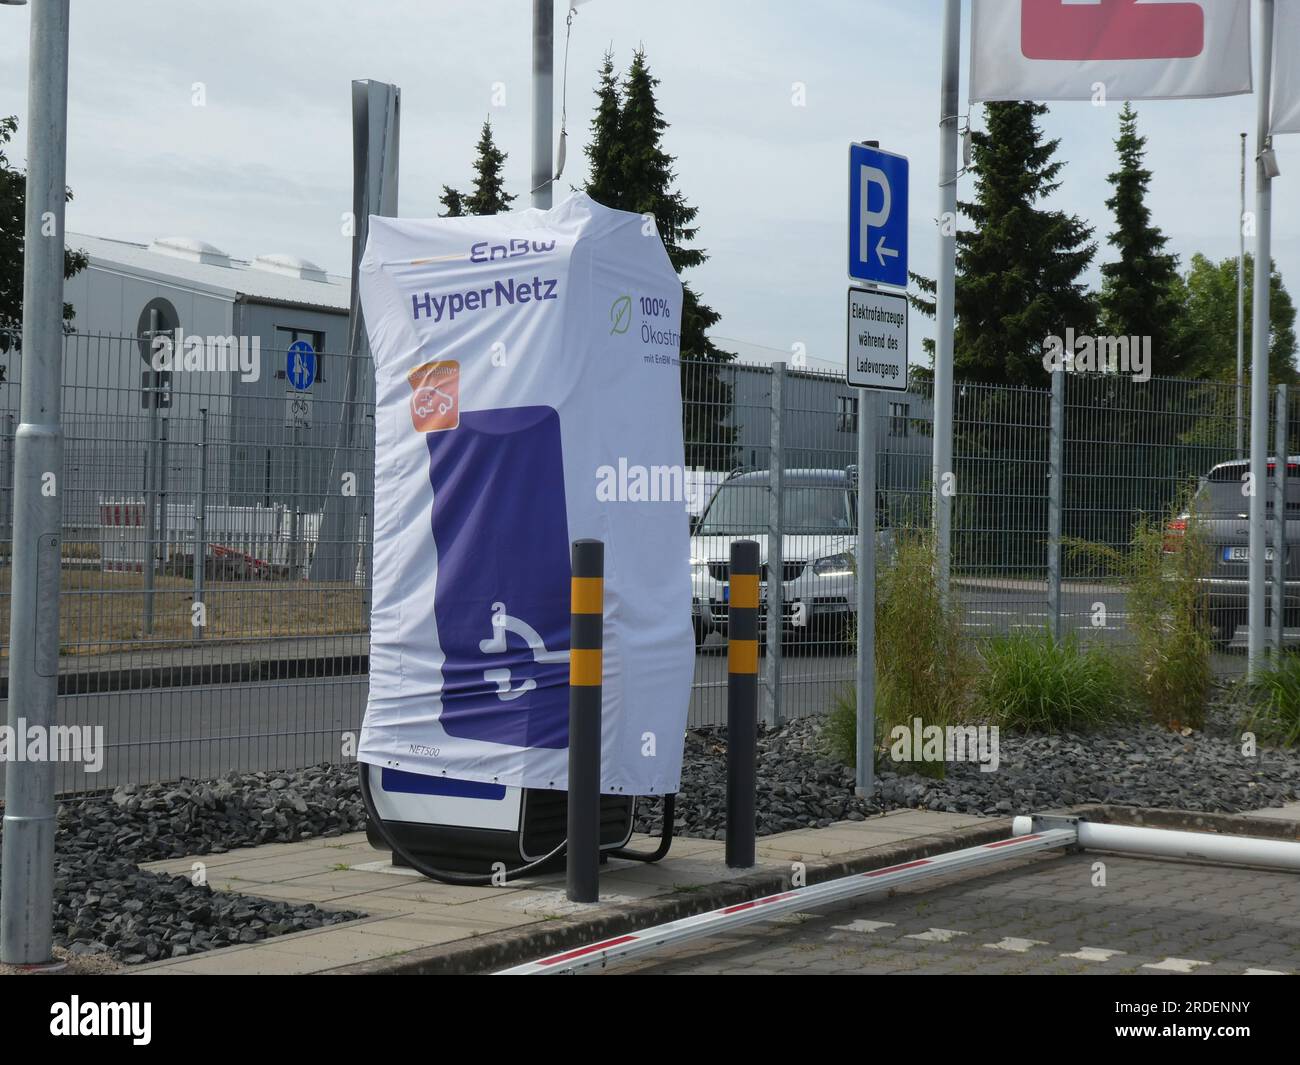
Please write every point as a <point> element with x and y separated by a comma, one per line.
<point>1150,910</point>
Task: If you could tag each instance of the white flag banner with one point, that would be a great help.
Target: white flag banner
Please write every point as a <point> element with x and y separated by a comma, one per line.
<point>1124,49</point>
<point>527,394</point>
<point>1286,67</point>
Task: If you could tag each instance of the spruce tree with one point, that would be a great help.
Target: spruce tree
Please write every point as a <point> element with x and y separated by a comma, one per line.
<point>604,151</point>
<point>1140,293</point>
<point>631,171</point>
<point>1020,266</point>
<point>454,201</point>
<point>489,195</point>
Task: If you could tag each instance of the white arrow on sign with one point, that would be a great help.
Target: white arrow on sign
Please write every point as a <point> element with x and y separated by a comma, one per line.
<point>882,251</point>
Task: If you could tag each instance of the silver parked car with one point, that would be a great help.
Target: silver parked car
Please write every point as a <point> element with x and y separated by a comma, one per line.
<point>818,549</point>
<point>1221,510</point>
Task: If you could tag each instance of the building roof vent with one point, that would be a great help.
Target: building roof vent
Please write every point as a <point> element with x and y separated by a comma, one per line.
<point>290,266</point>
<point>194,251</point>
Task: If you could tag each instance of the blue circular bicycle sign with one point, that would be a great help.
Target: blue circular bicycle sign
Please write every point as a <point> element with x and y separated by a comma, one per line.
<point>300,365</point>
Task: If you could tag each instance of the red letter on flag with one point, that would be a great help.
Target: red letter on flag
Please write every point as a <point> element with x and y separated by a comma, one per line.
<point>1111,29</point>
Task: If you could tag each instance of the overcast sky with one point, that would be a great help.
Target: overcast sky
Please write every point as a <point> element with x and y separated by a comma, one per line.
<point>265,165</point>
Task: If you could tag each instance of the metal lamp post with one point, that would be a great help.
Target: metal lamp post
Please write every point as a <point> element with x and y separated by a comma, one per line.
<point>26,904</point>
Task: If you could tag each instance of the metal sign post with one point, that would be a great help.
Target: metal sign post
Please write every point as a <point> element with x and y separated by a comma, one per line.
<point>877,360</point>
<point>865,762</point>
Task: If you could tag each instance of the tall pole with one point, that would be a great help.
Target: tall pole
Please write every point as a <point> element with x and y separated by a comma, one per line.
<point>1055,500</point>
<point>27,892</point>
<point>1241,304</point>
<point>945,291</point>
<point>1259,350</point>
<point>865,774</point>
<point>543,100</point>
<point>1280,463</point>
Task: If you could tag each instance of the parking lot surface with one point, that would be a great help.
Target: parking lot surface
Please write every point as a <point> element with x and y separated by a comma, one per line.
<point>1065,913</point>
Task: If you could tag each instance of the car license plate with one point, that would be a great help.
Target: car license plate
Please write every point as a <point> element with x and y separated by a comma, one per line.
<point>1242,554</point>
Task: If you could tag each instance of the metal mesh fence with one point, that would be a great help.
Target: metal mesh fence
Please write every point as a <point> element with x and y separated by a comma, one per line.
<point>215,581</point>
<point>214,601</point>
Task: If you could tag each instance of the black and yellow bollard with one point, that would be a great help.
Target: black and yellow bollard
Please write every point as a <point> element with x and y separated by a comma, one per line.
<point>742,702</point>
<point>586,641</point>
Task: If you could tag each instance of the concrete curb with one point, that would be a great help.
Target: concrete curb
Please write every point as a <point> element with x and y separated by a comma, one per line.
<point>497,950</point>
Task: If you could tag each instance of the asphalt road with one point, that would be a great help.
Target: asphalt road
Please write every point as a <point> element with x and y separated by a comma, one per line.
<point>203,731</point>
<point>1045,915</point>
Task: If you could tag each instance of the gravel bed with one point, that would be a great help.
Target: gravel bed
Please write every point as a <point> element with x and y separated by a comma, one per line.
<point>105,905</point>
<point>1136,765</point>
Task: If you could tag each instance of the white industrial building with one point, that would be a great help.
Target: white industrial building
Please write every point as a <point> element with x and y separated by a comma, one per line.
<point>257,454</point>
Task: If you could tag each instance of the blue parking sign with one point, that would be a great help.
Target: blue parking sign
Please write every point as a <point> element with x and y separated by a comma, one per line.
<point>300,365</point>
<point>877,216</point>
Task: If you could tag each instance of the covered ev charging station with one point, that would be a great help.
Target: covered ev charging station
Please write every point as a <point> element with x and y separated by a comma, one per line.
<point>466,827</point>
<point>520,360</point>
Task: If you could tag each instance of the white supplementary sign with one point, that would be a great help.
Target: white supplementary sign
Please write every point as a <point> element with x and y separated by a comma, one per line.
<point>297,409</point>
<point>877,326</point>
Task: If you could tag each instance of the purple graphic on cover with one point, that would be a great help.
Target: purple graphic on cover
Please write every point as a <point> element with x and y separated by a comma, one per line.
<point>502,598</point>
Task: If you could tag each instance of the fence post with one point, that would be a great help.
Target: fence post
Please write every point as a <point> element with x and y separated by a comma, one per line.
<point>586,643</point>
<point>1280,457</point>
<point>293,506</point>
<point>742,702</point>
<point>164,519</point>
<point>200,521</point>
<point>366,525</point>
<point>151,481</point>
<point>775,553</point>
<point>1055,496</point>
<point>9,482</point>
<point>865,783</point>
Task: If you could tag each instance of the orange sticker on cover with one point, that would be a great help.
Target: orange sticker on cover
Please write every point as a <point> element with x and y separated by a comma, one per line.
<point>435,396</point>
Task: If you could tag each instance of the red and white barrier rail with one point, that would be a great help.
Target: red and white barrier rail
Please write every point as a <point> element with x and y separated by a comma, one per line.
<point>728,918</point>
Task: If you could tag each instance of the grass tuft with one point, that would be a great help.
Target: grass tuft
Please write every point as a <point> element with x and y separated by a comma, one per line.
<point>1032,682</point>
<point>1275,702</point>
<point>1165,574</point>
<point>923,665</point>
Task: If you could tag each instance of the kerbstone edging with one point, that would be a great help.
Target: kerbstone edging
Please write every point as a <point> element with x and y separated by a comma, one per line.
<point>498,950</point>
